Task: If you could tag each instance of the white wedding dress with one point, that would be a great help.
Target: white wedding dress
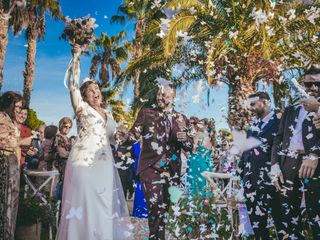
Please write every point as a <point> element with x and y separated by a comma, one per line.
<point>93,203</point>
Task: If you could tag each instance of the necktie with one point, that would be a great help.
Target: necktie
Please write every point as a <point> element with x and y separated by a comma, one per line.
<point>167,122</point>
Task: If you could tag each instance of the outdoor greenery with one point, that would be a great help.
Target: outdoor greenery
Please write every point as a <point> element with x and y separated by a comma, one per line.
<point>33,122</point>
<point>237,43</point>
<point>32,210</point>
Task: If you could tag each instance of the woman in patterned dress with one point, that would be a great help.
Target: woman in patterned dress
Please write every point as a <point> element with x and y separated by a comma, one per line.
<point>10,142</point>
<point>62,144</point>
<point>61,148</point>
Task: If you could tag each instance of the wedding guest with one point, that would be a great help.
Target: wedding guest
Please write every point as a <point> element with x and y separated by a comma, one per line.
<point>40,131</point>
<point>200,160</point>
<point>62,145</point>
<point>49,135</point>
<point>124,160</point>
<point>295,168</point>
<point>20,119</point>
<point>35,153</point>
<point>185,155</point>
<point>223,160</point>
<point>10,141</point>
<point>254,167</point>
<point>193,121</point>
<point>61,148</point>
<point>313,105</point>
<point>140,209</point>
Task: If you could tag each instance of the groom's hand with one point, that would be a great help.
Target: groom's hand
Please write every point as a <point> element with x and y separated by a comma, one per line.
<point>121,135</point>
<point>182,136</point>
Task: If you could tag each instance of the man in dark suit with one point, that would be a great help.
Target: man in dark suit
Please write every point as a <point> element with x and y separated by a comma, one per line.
<point>295,167</point>
<point>254,167</point>
<point>164,134</point>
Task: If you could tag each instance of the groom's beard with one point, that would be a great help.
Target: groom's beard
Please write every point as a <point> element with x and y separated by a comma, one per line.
<point>162,104</point>
<point>260,113</point>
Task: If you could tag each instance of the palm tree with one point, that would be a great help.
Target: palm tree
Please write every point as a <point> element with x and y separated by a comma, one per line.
<point>34,17</point>
<point>141,12</point>
<point>108,54</point>
<point>6,9</point>
<point>120,111</point>
<point>245,42</point>
<point>153,64</point>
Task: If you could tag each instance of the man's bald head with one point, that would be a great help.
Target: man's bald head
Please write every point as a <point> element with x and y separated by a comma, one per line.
<point>166,96</point>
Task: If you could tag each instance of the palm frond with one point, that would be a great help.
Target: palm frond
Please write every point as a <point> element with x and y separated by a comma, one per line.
<point>180,23</point>
<point>118,19</point>
<point>183,4</point>
<point>120,54</point>
<point>94,65</point>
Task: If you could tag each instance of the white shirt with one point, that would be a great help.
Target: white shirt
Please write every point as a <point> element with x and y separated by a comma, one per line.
<point>296,142</point>
<point>266,119</point>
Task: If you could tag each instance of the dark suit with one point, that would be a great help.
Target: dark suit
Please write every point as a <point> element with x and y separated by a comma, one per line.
<point>159,162</point>
<point>124,156</point>
<point>255,164</point>
<point>290,165</point>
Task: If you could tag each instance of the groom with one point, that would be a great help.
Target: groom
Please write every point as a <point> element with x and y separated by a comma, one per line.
<point>164,133</point>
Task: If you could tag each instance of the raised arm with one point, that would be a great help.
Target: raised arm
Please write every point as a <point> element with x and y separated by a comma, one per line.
<point>72,79</point>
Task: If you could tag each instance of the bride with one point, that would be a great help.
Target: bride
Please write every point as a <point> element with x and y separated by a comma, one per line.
<point>93,204</point>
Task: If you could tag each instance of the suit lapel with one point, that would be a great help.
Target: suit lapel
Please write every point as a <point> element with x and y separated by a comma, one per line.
<point>309,132</point>
<point>267,126</point>
<point>292,119</point>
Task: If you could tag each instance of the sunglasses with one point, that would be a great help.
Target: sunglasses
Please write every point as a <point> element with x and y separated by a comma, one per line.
<point>310,84</point>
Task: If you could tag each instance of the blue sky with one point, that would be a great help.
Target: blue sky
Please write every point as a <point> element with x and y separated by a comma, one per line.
<point>49,96</point>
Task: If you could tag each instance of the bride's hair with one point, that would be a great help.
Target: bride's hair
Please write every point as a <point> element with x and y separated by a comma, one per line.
<point>85,85</point>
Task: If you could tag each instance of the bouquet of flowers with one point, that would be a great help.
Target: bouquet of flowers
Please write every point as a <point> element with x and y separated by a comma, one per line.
<point>79,31</point>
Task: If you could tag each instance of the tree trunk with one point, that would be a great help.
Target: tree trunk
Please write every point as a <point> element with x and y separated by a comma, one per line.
<point>30,64</point>
<point>137,53</point>
<point>4,26</point>
<point>104,79</point>
<point>104,72</point>
<point>239,116</point>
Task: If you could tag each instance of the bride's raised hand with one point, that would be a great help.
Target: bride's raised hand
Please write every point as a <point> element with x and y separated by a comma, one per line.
<point>76,49</point>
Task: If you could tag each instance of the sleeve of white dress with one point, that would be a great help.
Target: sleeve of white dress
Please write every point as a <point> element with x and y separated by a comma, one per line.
<point>111,129</point>
<point>71,81</point>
